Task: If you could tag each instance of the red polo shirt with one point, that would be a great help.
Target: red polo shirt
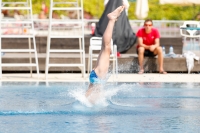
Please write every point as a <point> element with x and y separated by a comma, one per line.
<point>148,38</point>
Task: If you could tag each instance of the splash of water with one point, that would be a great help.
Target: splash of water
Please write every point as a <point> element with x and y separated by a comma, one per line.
<point>103,100</point>
<point>79,94</point>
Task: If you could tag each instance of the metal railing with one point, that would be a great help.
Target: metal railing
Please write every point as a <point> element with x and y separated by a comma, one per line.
<point>167,28</point>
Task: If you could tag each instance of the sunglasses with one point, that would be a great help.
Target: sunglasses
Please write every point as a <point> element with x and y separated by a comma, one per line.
<point>147,24</point>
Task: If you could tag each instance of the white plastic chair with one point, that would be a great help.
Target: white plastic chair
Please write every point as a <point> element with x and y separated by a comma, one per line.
<point>95,45</point>
<point>191,30</point>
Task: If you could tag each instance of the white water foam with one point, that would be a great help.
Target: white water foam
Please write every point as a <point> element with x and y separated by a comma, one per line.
<point>104,98</point>
<point>79,94</point>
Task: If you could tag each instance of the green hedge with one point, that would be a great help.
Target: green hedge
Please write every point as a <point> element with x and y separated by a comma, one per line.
<point>156,11</point>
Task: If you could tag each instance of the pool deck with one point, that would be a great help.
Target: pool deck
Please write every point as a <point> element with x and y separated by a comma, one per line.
<point>68,77</point>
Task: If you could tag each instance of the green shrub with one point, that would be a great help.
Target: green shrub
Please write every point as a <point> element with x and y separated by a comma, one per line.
<point>156,11</point>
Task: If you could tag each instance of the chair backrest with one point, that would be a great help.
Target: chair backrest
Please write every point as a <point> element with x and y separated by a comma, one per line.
<point>191,28</point>
<point>96,42</point>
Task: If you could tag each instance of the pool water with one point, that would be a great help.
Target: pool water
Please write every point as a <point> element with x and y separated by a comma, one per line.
<point>57,107</point>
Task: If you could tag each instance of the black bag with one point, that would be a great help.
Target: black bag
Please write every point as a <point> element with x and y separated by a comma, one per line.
<point>123,35</point>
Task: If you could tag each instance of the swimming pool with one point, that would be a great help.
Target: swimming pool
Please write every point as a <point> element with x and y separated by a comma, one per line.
<point>58,107</point>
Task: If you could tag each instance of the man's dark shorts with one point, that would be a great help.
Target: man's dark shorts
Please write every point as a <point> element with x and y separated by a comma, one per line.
<point>147,53</point>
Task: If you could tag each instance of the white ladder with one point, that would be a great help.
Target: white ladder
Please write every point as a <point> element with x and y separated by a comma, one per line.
<point>66,5</point>
<point>27,31</point>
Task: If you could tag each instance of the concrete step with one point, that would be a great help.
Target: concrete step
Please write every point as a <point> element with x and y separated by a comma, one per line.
<point>128,63</point>
<point>67,43</point>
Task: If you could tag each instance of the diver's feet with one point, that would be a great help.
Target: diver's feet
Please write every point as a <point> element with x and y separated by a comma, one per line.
<point>116,13</point>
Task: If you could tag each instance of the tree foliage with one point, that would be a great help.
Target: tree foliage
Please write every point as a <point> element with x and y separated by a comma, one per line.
<point>172,12</point>
<point>156,11</point>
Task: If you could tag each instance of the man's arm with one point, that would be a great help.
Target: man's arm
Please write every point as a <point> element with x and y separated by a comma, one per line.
<point>140,42</point>
<point>157,42</point>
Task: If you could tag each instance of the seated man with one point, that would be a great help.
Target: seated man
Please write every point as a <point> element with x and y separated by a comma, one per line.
<point>99,73</point>
<point>149,45</point>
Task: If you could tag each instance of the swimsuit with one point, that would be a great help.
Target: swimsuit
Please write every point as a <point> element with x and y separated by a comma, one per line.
<point>94,78</point>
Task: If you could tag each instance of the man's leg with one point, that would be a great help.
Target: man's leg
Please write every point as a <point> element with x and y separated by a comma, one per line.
<point>141,59</point>
<point>158,51</point>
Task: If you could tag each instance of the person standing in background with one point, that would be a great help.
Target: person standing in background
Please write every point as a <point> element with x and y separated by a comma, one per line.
<point>44,7</point>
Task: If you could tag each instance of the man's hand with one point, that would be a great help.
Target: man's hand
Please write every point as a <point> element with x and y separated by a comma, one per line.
<point>152,48</point>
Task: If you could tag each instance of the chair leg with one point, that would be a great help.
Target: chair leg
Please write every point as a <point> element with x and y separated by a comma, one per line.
<point>91,59</point>
<point>113,61</point>
<point>116,67</point>
<point>116,61</point>
<point>88,70</point>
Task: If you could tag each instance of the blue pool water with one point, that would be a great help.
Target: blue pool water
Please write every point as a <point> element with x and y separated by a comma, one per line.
<point>38,107</point>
